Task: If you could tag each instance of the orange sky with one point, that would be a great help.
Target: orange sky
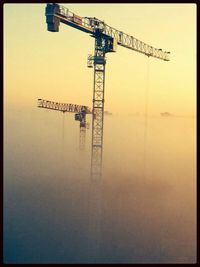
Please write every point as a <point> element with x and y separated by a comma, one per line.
<point>42,64</point>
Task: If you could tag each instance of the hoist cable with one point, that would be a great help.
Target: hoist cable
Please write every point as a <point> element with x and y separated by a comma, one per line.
<point>146,114</point>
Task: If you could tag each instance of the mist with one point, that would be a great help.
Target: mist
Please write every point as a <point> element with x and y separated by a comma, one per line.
<point>145,211</point>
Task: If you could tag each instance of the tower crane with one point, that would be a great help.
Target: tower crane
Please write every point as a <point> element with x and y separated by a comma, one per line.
<point>106,40</point>
<point>80,114</point>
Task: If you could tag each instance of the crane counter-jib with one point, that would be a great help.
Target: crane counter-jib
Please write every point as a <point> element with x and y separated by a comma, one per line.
<point>56,14</point>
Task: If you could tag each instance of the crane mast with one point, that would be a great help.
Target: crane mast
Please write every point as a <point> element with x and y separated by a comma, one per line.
<point>106,40</point>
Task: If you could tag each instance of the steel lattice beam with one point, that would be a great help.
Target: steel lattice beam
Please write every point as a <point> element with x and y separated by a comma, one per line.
<point>82,138</point>
<point>64,107</point>
<point>56,13</point>
<point>98,108</point>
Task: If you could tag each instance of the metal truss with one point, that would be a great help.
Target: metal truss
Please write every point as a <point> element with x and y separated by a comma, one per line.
<point>82,138</point>
<point>56,13</point>
<point>98,108</point>
<point>80,115</point>
<point>64,107</point>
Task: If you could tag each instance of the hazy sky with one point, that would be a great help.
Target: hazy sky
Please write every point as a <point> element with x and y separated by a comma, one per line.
<point>42,64</point>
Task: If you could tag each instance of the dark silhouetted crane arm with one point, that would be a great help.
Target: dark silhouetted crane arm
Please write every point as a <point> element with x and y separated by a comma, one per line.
<point>56,13</point>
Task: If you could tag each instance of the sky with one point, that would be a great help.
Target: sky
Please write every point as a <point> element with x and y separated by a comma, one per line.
<point>53,66</point>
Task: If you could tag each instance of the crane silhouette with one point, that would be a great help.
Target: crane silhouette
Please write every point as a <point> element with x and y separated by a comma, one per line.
<point>80,115</point>
<point>106,40</point>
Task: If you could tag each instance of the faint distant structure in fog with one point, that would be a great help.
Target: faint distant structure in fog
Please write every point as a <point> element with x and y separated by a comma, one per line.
<point>166,114</point>
<point>80,115</point>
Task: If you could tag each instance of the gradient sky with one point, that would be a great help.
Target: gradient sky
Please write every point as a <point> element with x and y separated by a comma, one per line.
<point>42,64</point>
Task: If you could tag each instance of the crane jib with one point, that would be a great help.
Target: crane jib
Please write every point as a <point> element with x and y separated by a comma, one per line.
<point>56,14</point>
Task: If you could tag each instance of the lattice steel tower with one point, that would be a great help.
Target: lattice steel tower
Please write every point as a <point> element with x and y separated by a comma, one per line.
<point>99,59</point>
<point>106,40</point>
